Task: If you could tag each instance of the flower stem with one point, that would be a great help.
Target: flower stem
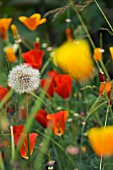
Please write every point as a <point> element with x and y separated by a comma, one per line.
<point>100,168</point>
<point>104,15</point>
<point>28,138</point>
<point>12,143</point>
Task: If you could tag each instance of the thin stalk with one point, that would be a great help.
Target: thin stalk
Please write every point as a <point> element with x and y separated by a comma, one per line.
<point>100,167</point>
<point>41,101</point>
<point>57,144</point>
<point>12,143</point>
<point>28,138</point>
<point>105,71</point>
<point>104,15</point>
<point>83,24</point>
<point>45,66</point>
<point>106,115</point>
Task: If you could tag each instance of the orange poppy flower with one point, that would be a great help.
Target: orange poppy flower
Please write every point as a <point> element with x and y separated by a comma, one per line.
<point>106,86</point>
<point>101,140</point>
<point>18,133</point>
<point>98,54</point>
<point>111,51</point>
<point>56,122</point>
<point>4,25</point>
<point>33,21</point>
<point>3,92</point>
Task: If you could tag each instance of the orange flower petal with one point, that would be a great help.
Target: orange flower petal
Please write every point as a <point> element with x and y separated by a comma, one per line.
<point>98,54</point>
<point>33,21</point>
<point>101,140</point>
<point>24,148</point>
<point>106,86</point>
<point>4,25</point>
<point>57,122</point>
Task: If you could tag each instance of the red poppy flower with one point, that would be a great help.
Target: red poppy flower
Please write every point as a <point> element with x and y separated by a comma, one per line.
<point>41,117</point>
<point>63,85</point>
<point>34,57</point>
<point>18,133</point>
<point>48,83</point>
<point>3,92</point>
<point>57,122</point>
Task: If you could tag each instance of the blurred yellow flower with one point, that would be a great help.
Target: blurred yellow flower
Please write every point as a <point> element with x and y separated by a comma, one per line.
<point>4,25</point>
<point>101,140</point>
<point>33,21</point>
<point>74,58</point>
<point>98,54</point>
<point>111,51</point>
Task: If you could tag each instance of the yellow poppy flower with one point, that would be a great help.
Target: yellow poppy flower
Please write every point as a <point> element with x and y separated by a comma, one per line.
<point>33,21</point>
<point>74,58</point>
<point>111,51</point>
<point>101,140</point>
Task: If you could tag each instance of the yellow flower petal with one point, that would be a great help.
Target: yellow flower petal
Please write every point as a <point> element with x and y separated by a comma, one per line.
<point>101,140</point>
<point>74,58</point>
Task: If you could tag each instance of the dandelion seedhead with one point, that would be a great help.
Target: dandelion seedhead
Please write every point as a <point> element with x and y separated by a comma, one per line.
<point>24,79</point>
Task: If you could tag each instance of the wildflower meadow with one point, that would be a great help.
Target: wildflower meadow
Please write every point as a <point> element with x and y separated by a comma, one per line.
<point>56,89</point>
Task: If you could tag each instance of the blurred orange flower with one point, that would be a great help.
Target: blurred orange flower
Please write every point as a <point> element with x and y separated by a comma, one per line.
<point>98,54</point>
<point>18,133</point>
<point>57,122</point>
<point>4,25</point>
<point>33,21</point>
<point>105,87</point>
<point>101,140</point>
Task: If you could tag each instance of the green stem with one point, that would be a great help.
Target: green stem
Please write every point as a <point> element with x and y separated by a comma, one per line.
<point>28,137</point>
<point>83,24</point>
<point>59,146</point>
<point>45,66</point>
<point>41,101</point>
<point>100,167</point>
<point>105,71</point>
<point>104,15</point>
<point>12,143</point>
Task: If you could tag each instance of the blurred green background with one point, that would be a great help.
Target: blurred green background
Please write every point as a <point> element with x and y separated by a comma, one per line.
<point>55,30</point>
